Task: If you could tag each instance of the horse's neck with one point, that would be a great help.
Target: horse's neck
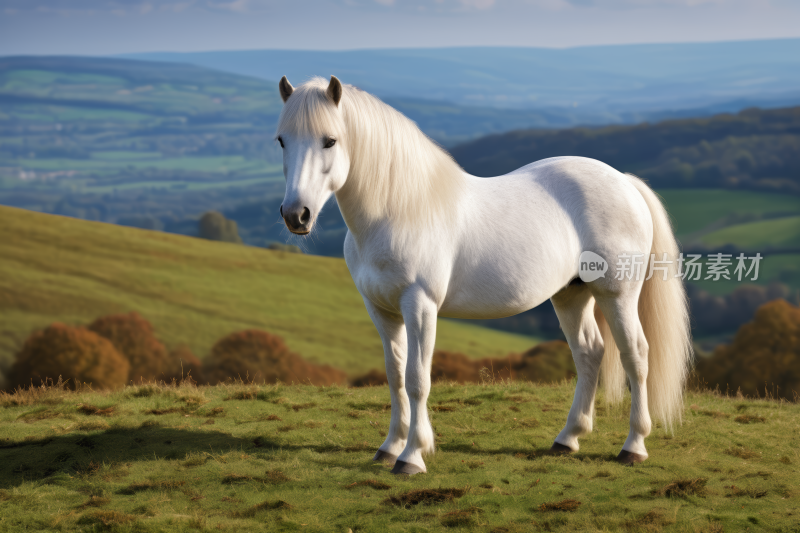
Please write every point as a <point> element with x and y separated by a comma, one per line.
<point>421,206</point>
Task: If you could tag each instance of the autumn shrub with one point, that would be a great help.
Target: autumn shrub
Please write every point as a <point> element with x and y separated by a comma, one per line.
<point>134,338</point>
<point>763,357</point>
<point>182,365</point>
<point>76,354</point>
<point>370,379</point>
<point>546,362</point>
<point>453,366</point>
<point>258,356</point>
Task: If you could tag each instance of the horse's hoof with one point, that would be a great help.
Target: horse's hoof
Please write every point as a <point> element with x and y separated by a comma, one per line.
<point>402,467</point>
<point>629,458</point>
<point>560,448</point>
<point>381,455</point>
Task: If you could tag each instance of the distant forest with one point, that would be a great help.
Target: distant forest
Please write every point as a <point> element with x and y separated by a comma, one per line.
<point>755,149</point>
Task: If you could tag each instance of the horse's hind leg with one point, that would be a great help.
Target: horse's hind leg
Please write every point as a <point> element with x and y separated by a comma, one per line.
<point>575,309</point>
<point>622,314</point>
<point>393,334</point>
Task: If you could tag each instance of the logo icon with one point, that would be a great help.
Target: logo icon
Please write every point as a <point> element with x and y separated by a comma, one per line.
<point>591,267</point>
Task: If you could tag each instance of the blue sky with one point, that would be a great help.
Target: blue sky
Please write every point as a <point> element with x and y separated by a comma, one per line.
<point>102,27</point>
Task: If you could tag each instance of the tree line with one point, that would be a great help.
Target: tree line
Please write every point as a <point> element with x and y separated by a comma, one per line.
<point>756,149</point>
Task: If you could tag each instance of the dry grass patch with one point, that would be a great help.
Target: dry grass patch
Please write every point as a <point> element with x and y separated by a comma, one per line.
<point>298,406</point>
<point>527,422</point>
<point>371,483</point>
<point>750,419</point>
<point>264,506</point>
<point>152,485</point>
<point>681,488</point>
<point>249,394</point>
<point>461,517</point>
<point>165,411</point>
<point>89,409</point>
<point>743,453</point>
<point>563,505</point>
<point>652,521</point>
<point>424,497</point>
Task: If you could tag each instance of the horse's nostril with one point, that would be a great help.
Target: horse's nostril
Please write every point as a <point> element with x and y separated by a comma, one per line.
<point>306,216</point>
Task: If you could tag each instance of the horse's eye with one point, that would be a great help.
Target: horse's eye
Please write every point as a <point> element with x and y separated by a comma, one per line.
<point>330,143</point>
<point>280,140</point>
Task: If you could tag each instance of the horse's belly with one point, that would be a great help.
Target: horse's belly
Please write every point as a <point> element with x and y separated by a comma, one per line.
<point>502,290</point>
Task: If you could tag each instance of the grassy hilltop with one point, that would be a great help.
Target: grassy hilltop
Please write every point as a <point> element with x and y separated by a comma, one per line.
<point>290,458</point>
<point>195,291</point>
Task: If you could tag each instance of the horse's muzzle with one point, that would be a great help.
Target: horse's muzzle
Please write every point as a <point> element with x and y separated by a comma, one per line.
<point>298,220</point>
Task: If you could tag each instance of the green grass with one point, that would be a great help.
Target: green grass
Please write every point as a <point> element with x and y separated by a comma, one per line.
<point>195,291</point>
<point>288,458</point>
<point>694,209</point>
<point>784,232</point>
<point>775,267</point>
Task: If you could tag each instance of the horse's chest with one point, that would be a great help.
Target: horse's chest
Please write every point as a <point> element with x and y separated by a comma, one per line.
<point>382,275</point>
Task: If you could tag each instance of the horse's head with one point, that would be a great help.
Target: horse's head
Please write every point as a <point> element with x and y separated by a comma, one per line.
<point>315,163</point>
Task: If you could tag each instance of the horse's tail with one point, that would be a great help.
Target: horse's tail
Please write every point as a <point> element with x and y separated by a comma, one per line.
<point>664,314</point>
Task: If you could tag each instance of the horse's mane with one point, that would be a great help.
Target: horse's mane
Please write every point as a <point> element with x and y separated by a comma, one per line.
<point>395,169</point>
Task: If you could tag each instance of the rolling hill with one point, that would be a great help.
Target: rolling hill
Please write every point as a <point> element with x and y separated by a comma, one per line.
<point>194,291</point>
<point>582,85</point>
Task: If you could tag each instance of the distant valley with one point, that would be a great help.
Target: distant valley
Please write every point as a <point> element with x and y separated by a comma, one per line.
<point>562,87</point>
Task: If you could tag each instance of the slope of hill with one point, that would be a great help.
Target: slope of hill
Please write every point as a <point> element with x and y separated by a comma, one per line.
<point>253,459</point>
<point>194,291</point>
<point>138,143</point>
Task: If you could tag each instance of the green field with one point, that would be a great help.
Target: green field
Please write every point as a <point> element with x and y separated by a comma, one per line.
<point>289,458</point>
<point>781,232</point>
<point>693,210</point>
<point>195,291</point>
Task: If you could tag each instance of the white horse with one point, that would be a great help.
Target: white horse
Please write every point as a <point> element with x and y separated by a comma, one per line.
<point>427,239</point>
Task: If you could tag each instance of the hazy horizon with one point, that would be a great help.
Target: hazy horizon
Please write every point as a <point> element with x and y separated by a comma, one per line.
<point>113,27</point>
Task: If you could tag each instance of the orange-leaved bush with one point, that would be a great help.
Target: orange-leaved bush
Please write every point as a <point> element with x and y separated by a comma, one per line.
<point>546,362</point>
<point>134,338</point>
<point>763,357</point>
<point>72,353</point>
<point>258,356</point>
<point>183,365</point>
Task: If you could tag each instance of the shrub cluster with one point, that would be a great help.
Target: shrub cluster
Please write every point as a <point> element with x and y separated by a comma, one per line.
<point>74,353</point>
<point>115,350</point>
<point>544,363</point>
<point>764,357</point>
<point>254,355</point>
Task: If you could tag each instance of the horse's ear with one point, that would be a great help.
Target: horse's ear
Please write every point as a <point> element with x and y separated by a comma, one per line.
<point>334,91</point>
<point>285,88</point>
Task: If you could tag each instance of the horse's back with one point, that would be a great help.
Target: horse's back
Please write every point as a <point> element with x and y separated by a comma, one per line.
<point>523,233</point>
<point>602,204</point>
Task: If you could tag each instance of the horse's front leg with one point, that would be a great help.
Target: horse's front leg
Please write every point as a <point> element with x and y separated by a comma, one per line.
<point>419,313</point>
<point>393,334</point>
